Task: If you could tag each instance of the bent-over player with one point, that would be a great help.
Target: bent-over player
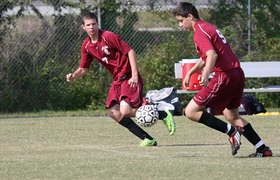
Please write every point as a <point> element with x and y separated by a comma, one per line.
<point>125,94</point>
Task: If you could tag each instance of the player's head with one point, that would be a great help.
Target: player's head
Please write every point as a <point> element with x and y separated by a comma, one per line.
<point>89,23</point>
<point>186,15</point>
<point>184,9</point>
<point>85,15</point>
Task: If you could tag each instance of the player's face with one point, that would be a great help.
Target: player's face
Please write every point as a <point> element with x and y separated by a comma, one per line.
<point>91,27</point>
<point>185,22</point>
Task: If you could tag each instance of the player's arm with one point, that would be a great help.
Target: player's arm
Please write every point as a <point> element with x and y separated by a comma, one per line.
<point>77,74</point>
<point>120,45</point>
<point>134,70</point>
<point>198,66</point>
<point>84,65</point>
<point>211,57</point>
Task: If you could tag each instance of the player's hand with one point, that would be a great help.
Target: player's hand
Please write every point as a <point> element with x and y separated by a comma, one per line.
<point>203,81</point>
<point>70,77</point>
<point>133,81</point>
<point>186,81</point>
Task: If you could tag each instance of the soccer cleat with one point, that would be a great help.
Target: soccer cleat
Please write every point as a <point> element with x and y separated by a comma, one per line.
<point>235,141</point>
<point>169,123</point>
<point>147,142</point>
<point>264,153</point>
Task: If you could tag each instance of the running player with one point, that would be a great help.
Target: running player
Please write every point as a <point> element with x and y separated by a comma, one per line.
<point>223,92</point>
<point>125,94</point>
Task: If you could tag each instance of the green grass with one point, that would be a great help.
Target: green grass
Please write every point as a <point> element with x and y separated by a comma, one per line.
<point>98,148</point>
<point>54,114</point>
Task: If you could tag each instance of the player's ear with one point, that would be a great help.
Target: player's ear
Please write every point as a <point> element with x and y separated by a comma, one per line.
<point>83,26</point>
<point>190,16</point>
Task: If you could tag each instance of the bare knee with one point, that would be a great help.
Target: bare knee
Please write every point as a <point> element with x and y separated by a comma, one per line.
<point>188,113</point>
<point>114,114</point>
<point>126,109</point>
<point>193,111</point>
<point>125,112</point>
<point>192,115</point>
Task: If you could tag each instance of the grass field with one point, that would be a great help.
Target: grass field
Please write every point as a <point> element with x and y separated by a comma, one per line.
<point>98,148</point>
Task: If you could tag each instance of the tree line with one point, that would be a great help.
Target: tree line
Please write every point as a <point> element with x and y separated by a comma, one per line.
<point>37,51</point>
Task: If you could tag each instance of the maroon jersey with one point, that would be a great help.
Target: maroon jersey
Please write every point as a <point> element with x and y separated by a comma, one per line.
<point>111,51</point>
<point>208,37</point>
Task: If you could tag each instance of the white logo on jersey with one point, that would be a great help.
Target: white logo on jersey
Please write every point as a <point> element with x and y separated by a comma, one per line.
<point>105,49</point>
<point>221,36</point>
<point>105,59</point>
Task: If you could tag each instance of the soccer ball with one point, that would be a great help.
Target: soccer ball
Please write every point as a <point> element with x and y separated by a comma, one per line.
<point>147,115</point>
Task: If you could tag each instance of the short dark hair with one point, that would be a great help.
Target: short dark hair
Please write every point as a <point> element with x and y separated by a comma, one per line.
<point>184,9</point>
<point>86,14</point>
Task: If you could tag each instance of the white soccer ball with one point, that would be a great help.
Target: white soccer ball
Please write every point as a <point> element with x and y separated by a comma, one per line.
<point>147,115</point>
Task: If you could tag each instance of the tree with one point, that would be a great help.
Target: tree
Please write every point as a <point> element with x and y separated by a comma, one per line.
<point>232,15</point>
<point>157,65</point>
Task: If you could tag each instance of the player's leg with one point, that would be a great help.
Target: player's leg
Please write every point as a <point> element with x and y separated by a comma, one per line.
<point>166,115</point>
<point>234,118</point>
<point>133,96</point>
<point>115,113</point>
<point>127,110</point>
<point>195,113</point>
<point>248,132</point>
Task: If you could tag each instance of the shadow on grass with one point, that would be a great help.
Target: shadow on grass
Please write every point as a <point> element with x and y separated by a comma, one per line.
<point>173,145</point>
<point>273,156</point>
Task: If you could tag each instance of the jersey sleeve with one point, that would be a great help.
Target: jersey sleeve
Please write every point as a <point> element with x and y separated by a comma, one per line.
<point>85,57</point>
<point>116,42</point>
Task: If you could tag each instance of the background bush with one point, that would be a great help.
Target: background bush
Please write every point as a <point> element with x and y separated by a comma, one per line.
<point>38,50</point>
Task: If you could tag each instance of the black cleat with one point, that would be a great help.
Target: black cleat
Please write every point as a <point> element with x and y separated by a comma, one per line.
<point>264,153</point>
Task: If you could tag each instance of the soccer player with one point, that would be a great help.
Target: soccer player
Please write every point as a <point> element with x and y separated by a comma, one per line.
<point>223,92</point>
<point>125,94</point>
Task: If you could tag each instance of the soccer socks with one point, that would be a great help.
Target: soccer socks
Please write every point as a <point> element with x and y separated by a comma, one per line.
<point>134,128</point>
<point>250,134</point>
<point>230,129</point>
<point>162,115</point>
<point>215,123</point>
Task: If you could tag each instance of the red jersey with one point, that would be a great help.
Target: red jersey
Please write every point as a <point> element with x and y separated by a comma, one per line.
<point>208,37</point>
<point>110,50</point>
